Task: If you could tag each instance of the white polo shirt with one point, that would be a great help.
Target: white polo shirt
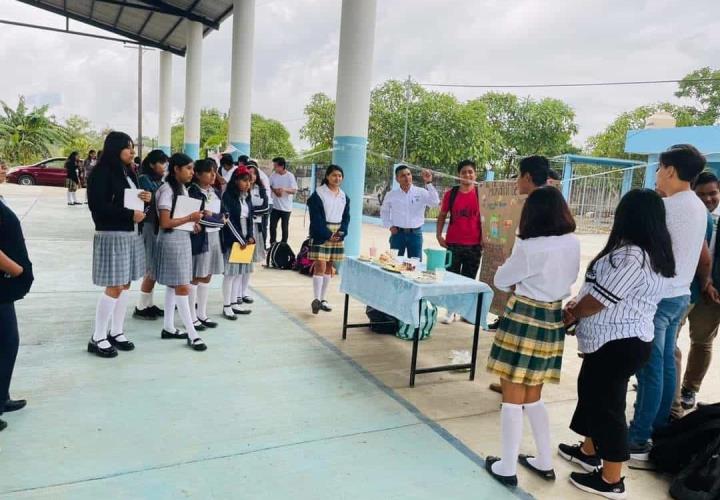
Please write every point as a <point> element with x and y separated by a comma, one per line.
<point>286,180</point>
<point>407,210</point>
<point>334,204</point>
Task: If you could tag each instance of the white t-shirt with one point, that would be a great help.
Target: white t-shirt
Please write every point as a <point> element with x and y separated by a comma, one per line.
<point>164,196</point>
<point>687,222</point>
<point>286,180</point>
<point>715,214</point>
<point>334,204</point>
<point>542,269</point>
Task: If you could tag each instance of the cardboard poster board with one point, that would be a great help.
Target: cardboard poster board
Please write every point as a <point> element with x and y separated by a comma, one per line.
<point>500,210</point>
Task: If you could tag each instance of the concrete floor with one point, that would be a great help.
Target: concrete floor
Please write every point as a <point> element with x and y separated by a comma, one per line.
<point>279,406</point>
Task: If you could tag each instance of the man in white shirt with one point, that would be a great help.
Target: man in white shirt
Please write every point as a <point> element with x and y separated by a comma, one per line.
<point>283,186</point>
<point>403,211</point>
<point>686,219</point>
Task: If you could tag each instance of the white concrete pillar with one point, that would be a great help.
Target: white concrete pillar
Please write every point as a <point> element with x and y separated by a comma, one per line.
<point>165,102</point>
<point>193,79</point>
<point>241,71</point>
<point>357,42</point>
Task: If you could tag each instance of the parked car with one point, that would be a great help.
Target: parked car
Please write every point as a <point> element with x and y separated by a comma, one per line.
<point>50,172</point>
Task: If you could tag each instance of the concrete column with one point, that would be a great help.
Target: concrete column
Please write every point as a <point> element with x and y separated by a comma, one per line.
<point>566,182</point>
<point>165,102</point>
<point>313,177</point>
<point>651,170</point>
<point>357,41</point>
<point>241,71</point>
<point>193,79</point>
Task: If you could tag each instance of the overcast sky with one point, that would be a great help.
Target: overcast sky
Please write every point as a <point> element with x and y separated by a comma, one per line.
<point>435,41</point>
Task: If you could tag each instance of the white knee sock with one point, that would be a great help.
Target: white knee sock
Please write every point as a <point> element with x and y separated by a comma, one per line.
<point>540,423</point>
<point>325,284</point>
<point>103,311</point>
<point>203,291</point>
<point>236,286</point>
<point>244,287</point>
<point>169,317</point>
<point>69,197</point>
<point>118,317</point>
<point>192,301</point>
<point>145,300</point>
<point>228,298</point>
<point>317,286</point>
<point>183,306</point>
<point>511,417</point>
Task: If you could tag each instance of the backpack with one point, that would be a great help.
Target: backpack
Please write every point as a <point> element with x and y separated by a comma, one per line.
<point>428,318</point>
<point>380,322</point>
<point>676,445</point>
<point>280,256</point>
<point>303,264</point>
<point>700,480</point>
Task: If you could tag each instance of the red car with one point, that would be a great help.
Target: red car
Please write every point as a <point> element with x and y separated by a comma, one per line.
<point>50,172</point>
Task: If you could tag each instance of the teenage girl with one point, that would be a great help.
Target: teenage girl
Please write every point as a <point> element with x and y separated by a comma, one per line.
<point>173,266</point>
<point>207,249</point>
<point>239,229</point>
<point>152,171</point>
<point>259,197</point>
<point>329,218</point>
<point>72,178</point>
<point>118,251</point>
<point>528,346</point>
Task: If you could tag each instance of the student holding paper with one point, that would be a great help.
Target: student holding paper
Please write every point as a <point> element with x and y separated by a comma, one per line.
<point>237,205</point>
<point>261,209</point>
<point>206,247</point>
<point>118,252</point>
<point>173,267</point>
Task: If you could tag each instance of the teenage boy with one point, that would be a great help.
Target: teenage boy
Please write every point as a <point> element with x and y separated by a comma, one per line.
<point>686,219</point>
<point>403,211</point>
<point>283,186</point>
<point>464,233</point>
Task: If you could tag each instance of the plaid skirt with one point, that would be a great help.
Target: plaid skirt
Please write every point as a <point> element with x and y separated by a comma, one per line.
<point>118,258</point>
<point>173,261</point>
<point>71,185</point>
<point>210,262</point>
<point>150,241</point>
<point>528,345</point>
<point>260,252</point>
<point>330,251</point>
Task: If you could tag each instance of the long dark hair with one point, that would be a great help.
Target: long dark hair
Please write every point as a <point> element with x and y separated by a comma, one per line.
<point>545,214</point>
<point>71,161</point>
<point>114,143</point>
<point>640,220</point>
<point>153,157</point>
<point>258,180</point>
<point>176,160</point>
<point>238,174</point>
<point>329,170</point>
<point>201,167</point>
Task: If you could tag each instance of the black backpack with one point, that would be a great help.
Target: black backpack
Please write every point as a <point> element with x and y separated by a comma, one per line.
<point>381,322</point>
<point>280,256</point>
<point>700,480</point>
<point>677,445</point>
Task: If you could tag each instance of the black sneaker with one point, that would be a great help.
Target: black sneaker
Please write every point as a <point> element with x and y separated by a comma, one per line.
<point>640,451</point>
<point>687,399</point>
<point>157,311</point>
<point>574,454</point>
<point>147,313</point>
<point>592,482</point>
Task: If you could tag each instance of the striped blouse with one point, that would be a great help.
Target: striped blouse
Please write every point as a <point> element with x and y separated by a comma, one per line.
<point>625,283</point>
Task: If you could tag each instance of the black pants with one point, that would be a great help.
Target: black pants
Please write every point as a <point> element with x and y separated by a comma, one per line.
<point>275,216</point>
<point>602,389</point>
<point>465,260</point>
<point>9,342</point>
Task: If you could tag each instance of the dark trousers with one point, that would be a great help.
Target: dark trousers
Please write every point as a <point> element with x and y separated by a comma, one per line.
<point>9,342</point>
<point>602,389</point>
<point>408,240</point>
<point>275,216</point>
<point>465,260</point>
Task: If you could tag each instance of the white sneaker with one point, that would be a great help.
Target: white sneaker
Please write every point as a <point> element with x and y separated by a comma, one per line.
<point>448,319</point>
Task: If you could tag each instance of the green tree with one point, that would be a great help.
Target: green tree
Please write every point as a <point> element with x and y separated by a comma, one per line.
<point>320,125</point>
<point>27,135</point>
<point>703,85</point>
<point>80,136</point>
<point>269,138</point>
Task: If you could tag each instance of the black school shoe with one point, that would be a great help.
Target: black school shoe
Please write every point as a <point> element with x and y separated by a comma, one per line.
<point>148,313</point>
<point>177,334</point>
<point>3,425</point>
<point>14,405</point>
<point>207,323</point>
<point>248,300</point>
<point>315,306</point>
<point>157,311</point>
<point>324,306</point>
<point>197,344</point>
<point>199,326</point>
<point>592,482</point>
<point>548,475</point>
<point>103,352</point>
<point>574,454</point>
<point>505,480</point>
<point>120,345</point>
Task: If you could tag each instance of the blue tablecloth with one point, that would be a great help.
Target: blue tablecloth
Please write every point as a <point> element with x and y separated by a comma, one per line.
<point>398,296</point>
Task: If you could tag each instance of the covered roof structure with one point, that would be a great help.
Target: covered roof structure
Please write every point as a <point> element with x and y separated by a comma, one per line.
<point>154,23</point>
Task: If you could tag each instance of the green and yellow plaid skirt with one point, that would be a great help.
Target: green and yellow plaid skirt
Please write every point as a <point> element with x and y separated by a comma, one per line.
<point>71,185</point>
<point>529,341</point>
<point>330,251</point>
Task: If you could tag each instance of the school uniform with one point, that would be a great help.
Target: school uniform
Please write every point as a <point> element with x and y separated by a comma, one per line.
<point>207,252</point>
<point>259,199</point>
<point>173,265</point>
<point>149,226</point>
<point>238,229</point>
<point>329,213</point>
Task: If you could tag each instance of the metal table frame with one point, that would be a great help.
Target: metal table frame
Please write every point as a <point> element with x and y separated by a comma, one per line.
<point>416,341</point>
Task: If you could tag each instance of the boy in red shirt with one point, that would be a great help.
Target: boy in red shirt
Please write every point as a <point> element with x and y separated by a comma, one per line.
<point>464,234</point>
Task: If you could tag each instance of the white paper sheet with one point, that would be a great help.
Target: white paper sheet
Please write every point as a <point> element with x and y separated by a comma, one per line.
<point>185,206</point>
<point>132,201</point>
<point>214,205</point>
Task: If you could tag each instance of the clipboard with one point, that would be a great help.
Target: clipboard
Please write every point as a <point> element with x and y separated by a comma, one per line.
<point>241,255</point>
<point>184,206</point>
<point>131,200</point>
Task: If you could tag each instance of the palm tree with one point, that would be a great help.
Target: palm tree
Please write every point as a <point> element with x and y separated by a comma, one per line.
<point>27,135</point>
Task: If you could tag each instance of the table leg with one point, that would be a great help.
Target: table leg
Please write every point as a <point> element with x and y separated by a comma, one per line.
<point>476,335</point>
<point>416,342</point>
<point>345,316</point>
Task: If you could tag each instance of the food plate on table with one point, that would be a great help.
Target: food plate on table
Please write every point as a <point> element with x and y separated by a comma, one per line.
<point>393,268</point>
<point>424,279</point>
<point>365,258</point>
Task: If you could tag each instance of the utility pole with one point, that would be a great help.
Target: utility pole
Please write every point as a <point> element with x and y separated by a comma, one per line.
<point>408,82</point>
